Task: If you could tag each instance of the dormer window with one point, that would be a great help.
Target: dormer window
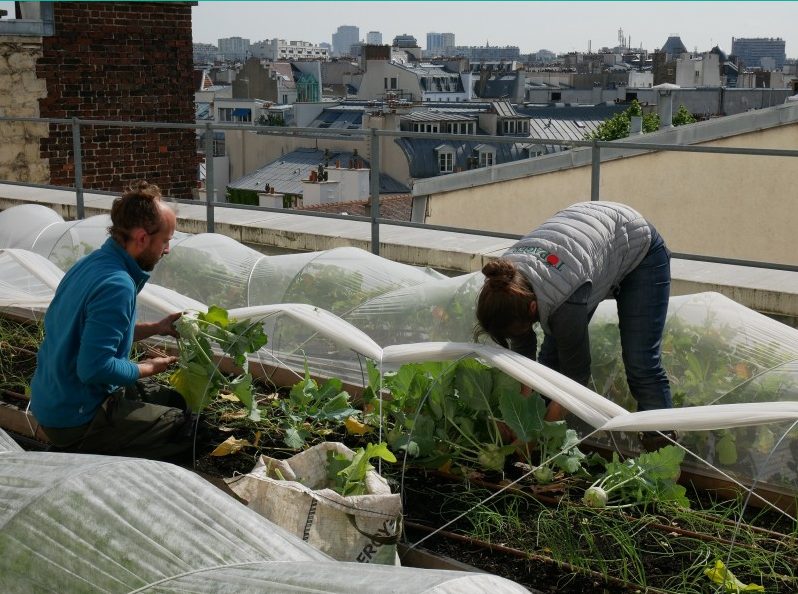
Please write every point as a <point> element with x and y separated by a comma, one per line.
<point>486,154</point>
<point>445,156</point>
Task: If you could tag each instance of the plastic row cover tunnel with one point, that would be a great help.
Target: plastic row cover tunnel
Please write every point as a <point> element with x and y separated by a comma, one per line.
<point>715,351</point>
<point>80,523</point>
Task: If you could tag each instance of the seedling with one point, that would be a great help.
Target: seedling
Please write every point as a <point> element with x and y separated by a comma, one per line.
<point>348,477</point>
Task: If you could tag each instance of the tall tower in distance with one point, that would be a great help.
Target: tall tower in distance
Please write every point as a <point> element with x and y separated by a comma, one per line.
<point>374,38</point>
<point>751,50</point>
<point>439,44</point>
<point>344,38</point>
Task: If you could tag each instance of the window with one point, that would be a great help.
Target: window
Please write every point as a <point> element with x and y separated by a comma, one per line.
<point>394,82</point>
<point>386,83</point>
<point>36,20</point>
<point>485,158</point>
<point>235,114</point>
<point>556,96</point>
<point>445,157</point>
<point>445,162</point>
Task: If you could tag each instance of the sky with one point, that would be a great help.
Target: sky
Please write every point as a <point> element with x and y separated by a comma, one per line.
<point>556,26</point>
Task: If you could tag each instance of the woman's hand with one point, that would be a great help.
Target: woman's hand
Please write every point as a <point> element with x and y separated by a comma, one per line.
<point>555,412</point>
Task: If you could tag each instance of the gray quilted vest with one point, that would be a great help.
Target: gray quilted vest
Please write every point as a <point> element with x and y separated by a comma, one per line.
<point>595,242</point>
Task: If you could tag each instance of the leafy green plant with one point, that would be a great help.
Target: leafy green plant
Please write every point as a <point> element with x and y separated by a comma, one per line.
<point>458,413</point>
<point>198,378</point>
<point>555,442</point>
<point>242,196</point>
<point>647,479</point>
<point>683,116</point>
<point>308,403</point>
<point>348,477</point>
<point>619,125</point>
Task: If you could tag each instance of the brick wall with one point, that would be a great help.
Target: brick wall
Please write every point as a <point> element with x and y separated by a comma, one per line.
<point>20,92</point>
<point>129,61</point>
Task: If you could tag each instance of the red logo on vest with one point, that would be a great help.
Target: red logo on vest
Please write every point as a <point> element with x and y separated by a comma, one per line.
<point>552,260</point>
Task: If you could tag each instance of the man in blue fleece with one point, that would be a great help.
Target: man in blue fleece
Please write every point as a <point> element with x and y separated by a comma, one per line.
<point>86,393</point>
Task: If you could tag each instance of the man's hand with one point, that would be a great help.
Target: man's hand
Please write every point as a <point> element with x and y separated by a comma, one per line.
<point>156,365</point>
<point>165,327</point>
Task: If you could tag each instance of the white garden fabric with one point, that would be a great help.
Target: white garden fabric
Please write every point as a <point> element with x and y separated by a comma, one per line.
<point>77,523</point>
<point>733,371</point>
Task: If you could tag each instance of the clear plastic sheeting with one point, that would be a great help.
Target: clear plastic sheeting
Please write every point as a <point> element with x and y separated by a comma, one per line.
<point>7,444</point>
<point>27,282</point>
<point>333,310</point>
<point>20,226</point>
<point>81,523</point>
<point>716,353</point>
<point>218,270</point>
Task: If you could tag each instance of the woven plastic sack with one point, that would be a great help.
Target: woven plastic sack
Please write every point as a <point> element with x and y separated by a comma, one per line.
<point>359,528</point>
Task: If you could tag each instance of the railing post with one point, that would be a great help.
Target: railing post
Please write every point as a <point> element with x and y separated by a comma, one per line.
<point>374,186</point>
<point>209,190</point>
<point>78,161</point>
<point>595,171</point>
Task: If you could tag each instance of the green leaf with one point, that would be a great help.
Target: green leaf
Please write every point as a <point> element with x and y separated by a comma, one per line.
<point>350,479</point>
<point>194,385</point>
<point>649,478</point>
<point>663,464</point>
<point>423,436</point>
<point>294,438</point>
<point>474,384</point>
<point>242,388</point>
<point>726,448</point>
<point>216,316</point>
<point>523,414</point>
<point>374,376</point>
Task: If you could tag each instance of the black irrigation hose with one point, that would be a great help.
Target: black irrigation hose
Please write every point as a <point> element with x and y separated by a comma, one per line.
<point>564,565</point>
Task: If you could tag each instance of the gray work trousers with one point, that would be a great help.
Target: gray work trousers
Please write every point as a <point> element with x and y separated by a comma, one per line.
<point>144,420</point>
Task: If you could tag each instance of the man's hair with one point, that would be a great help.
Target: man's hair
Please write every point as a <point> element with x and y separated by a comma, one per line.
<point>139,206</point>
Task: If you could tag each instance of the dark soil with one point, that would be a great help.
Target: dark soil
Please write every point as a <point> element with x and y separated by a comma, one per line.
<point>572,548</point>
<point>599,545</point>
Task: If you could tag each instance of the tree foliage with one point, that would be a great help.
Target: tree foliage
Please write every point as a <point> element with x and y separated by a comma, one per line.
<point>683,116</point>
<point>619,125</point>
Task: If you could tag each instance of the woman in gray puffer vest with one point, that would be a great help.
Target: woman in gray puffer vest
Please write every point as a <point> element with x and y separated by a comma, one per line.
<point>560,272</point>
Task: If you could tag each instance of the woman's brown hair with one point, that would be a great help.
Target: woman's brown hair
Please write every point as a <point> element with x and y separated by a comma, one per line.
<point>503,302</point>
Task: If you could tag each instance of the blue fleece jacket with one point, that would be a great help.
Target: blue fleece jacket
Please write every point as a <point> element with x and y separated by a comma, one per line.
<point>88,329</point>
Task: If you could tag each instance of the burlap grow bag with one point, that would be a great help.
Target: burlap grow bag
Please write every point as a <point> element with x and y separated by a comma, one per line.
<point>361,528</point>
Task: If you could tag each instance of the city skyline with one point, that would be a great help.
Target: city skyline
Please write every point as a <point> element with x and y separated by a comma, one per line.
<point>532,26</point>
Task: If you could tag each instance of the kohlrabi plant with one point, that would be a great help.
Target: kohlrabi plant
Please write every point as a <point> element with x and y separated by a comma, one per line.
<point>309,404</point>
<point>198,378</point>
<point>648,479</point>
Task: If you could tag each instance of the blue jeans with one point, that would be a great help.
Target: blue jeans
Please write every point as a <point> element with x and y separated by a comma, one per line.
<point>642,300</point>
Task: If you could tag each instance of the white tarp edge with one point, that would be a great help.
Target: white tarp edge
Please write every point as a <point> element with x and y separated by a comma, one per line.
<point>83,523</point>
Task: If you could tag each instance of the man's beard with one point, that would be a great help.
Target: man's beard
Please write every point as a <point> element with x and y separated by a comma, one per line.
<point>146,263</point>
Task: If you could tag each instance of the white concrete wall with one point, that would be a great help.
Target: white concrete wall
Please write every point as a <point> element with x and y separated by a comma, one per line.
<point>698,71</point>
<point>730,206</point>
<point>372,86</point>
<point>353,183</point>
<point>641,80</point>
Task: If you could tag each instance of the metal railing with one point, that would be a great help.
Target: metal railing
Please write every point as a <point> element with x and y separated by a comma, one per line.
<point>373,135</point>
